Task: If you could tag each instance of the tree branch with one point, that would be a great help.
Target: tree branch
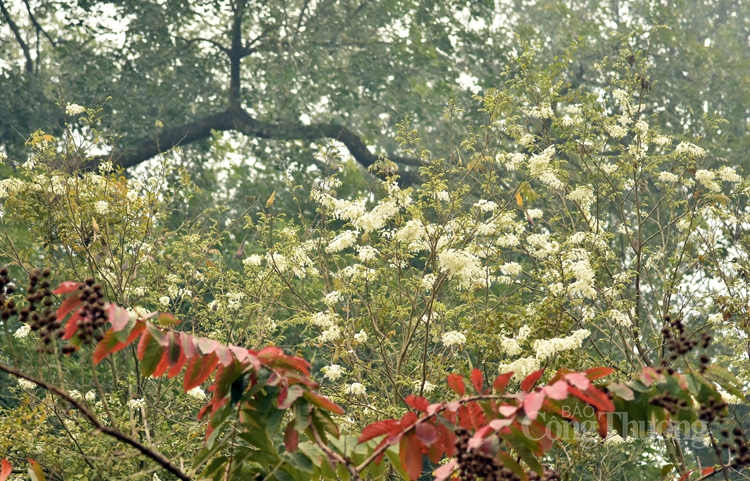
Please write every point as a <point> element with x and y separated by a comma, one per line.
<point>37,25</point>
<point>19,38</point>
<point>113,432</point>
<point>241,121</point>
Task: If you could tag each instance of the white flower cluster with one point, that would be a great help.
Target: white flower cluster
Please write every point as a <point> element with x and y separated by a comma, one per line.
<point>521,367</point>
<point>90,396</point>
<point>357,389</point>
<point>706,177</point>
<point>74,109</point>
<point>25,384</point>
<point>539,166</point>
<point>253,260</point>
<point>583,195</point>
<point>728,174</point>
<point>342,241</point>
<point>464,267</point>
<point>690,149</point>
<point>137,403</point>
<point>427,388</point>
<point>101,207</point>
<point>332,372</point>
<point>616,131</point>
<point>196,393</point>
<point>668,177</point>
<point>453,338</point>
<point>361,337</point>
<point>546,348</point>
<point>619,318</point>
<point>22,332</point>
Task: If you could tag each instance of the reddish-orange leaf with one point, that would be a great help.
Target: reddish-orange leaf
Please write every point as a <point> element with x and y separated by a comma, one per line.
<point>528,383</point>
<point>198,370</point>
<point>686,475</point>
<point>323,402</point>
<point>175,368</point>
<point>6,470</point>
<point>448,439</point>
<point>105,346</point>
<point>188,344</point>
<point>118,317</point>
<point>291,437</point>
<point>410,452</point>
<point>603,427</point>
<point>163,365</point>
<point>377,429</point>
<point>35,471</point>
<point>290,394</point>
<point>68,305</point>
<point>501,382</point>
<point>72,326</point>
<point>427,433</point>
<point>476,380</point>
<point>67,287</point>
<point>143,344</point>
<point>532,403</point>
<point>456,383</point>
<point>592,397</point>
<point>445,471</point>
<point>417,402</point>
<point>708,470</point>
<point>598,372</point>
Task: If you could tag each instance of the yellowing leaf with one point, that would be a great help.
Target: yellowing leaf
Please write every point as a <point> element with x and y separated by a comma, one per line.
<point>519,199</point>
<point>270,200</point>
<point>158,124</point>
<point>96,226</point>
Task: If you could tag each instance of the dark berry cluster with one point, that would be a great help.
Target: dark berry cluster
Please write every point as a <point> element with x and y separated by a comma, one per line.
<point>93,315</point>
<point>38,313</point>
<point>476,463</point>
<point>738,448</point>
<point>714,410</point>
<point>7,306</point>
<point>669,402</point>
<point>678,343</point>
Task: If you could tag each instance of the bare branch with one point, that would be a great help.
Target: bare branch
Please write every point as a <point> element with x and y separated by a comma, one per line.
<point>113,432</point>
<point>19,38</point>
<point>37,25</point>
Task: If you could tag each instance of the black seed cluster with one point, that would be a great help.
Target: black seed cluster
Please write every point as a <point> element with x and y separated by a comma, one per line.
<point>678,344</point>
<point>93,315</point>
<point>38,313</point>
<point>738,448</point>
<point>7,306</point>
<point>714,410</point>
<point>669,402</point>
<point>479,464</point>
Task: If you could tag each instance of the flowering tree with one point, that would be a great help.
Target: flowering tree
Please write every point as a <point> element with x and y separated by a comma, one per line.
<point>562,234</point>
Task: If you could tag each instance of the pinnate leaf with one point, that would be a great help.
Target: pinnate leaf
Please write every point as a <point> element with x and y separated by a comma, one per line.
<point>531,380</point>
<point>456,383</point>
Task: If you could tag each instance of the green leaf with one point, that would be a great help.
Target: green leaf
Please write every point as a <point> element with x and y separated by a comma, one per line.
<point>725,379</point>
<point>152,354</point>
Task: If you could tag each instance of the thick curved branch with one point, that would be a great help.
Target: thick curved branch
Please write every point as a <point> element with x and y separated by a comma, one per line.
<point>19,38</point>
<point>240,121</point>
<point>115,433</point>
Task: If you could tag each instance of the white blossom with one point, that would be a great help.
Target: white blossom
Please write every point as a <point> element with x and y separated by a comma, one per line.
<point>342,241</point>
<point>253,260</point>
<point>74,109</point>
<point>164,301</point>
<point>26,384</point>
<point>662,140</point>
<point>583,194</point>
<point>453,338</point>
<point>717,318</point>
<point>428,282</point>
<point>331,334</point>
<point>523,333</point>
<point>332,372</point>
<point>76,395</point>
<point>90,396</point>
<point>512,161</point>
<point>485,205</point>
<point>616,131</point>
<point>426,388</point>
<point>101,207</point>
<point>521,367</point>
<point>511,269</point>
<point>539,163</point>
<point>361,337</point>
<point>443,196</point>
<point>367,253</point>
<point>197,393</point>
<point>510,346</point>
<point>727,174</point>
<point>332,298</point>
<point>668,177</point>
<point>137,403</point>
<point>325,319</point>
<point>620,318</point>
<point>573,109</point>
<point>689,149</point>
<point>546,348</point>
<point>706,177</point>
<point>535,213</point>
<point>356,389</point>
<point>22,331</point>
<point>463,266</point>
<point>641,127</point>
<point>613,440</point>
<point>526,139</point>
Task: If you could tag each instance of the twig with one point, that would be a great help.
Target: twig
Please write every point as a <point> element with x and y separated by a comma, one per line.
<point>113,432</point>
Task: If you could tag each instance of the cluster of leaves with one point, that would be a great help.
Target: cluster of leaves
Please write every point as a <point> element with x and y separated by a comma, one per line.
<point>253,392</point>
